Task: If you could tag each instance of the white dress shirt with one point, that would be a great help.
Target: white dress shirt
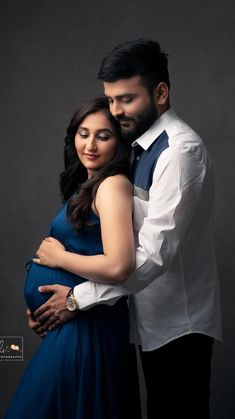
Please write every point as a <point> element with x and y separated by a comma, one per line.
<point>174,286</point>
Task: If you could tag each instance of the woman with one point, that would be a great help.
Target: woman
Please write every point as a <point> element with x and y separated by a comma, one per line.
<point>81,370</point>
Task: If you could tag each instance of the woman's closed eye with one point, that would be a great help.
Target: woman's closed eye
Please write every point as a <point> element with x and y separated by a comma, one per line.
<point>83,133</point>
<point>104,134</point>
<point>104,137</point>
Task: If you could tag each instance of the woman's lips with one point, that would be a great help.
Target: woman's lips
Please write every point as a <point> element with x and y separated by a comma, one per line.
<point>91,156</point>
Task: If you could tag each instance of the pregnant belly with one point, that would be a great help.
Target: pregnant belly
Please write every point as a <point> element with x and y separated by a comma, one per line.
<point>42,275</point>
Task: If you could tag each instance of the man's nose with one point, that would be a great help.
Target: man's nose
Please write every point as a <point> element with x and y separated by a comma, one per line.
<point>116,109</point>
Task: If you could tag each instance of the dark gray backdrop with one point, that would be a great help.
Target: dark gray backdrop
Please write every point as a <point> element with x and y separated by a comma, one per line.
<point>50,54</point>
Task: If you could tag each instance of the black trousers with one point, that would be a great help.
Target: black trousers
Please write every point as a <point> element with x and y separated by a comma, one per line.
<point>177,378</point>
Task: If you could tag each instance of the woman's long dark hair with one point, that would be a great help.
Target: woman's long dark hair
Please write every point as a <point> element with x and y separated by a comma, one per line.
<point>74,177</point>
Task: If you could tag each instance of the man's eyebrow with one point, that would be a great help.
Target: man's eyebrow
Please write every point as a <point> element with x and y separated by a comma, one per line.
<point>120,96</point>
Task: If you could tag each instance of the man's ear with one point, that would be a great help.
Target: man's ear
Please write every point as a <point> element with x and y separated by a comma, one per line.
<point>161,93</point>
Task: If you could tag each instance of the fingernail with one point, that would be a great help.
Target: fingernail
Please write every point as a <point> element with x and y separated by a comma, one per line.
<point>40,289</point>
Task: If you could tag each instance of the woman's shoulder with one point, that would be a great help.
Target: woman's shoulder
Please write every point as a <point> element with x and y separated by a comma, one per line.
<point>112,192</point>
<point>114,183</point>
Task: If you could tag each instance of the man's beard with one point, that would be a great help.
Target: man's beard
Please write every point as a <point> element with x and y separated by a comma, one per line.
<point>142,123</point>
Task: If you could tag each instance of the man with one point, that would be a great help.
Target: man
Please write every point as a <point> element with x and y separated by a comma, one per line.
<point>174,306</point>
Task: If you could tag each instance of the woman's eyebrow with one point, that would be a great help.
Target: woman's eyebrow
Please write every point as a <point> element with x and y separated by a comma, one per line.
<point>104,129</point>
<point>98,130</point>
<point>81,127</point>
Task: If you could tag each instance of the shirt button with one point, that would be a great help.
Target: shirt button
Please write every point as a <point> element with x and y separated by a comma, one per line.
<point>138,157</point>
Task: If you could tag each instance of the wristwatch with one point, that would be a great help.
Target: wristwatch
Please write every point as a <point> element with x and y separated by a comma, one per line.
<point>71,303</point>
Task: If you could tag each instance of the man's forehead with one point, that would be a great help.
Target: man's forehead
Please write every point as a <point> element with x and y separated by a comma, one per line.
<point>123,86</point>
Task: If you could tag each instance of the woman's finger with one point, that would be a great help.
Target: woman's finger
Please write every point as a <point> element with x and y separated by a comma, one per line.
<point>36,260</point>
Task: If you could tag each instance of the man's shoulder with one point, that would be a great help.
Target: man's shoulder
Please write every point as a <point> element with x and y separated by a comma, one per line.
<point>181,134</point>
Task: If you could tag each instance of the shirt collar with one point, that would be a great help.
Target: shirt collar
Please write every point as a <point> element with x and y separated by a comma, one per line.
<point>149,136</point>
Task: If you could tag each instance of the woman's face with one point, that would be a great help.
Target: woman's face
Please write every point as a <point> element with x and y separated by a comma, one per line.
<point>96,141</point>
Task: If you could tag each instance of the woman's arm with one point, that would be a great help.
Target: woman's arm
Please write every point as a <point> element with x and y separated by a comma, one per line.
<point>114,204</point>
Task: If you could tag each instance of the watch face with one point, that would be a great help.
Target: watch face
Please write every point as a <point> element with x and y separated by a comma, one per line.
<point>71,304</point>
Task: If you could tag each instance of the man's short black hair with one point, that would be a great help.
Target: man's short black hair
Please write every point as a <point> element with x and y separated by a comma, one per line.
<point>142,57</point>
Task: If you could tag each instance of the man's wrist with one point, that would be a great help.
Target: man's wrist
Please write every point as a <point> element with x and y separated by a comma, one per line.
<point>71,302</point>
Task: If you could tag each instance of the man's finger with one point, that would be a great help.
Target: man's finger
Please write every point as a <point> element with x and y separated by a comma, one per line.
<point>43,308</point>
<point>44,317</point>
<point>48,288</point>
<point>34,325</point>
<point>53,325</point>
<point>41,330</point>
<point>50,320</point>
<point>40,310</point>
<point>30,315</point>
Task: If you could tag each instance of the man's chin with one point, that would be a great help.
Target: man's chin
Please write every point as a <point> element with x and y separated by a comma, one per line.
<point>128,135</point>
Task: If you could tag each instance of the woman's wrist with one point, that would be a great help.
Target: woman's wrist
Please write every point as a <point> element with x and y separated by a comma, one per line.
<point>61,259</point>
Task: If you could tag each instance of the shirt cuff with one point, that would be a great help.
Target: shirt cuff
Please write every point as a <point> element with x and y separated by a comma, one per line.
<point>89,294</point>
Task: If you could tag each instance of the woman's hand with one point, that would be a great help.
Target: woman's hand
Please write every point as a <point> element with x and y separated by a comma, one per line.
<point>49,253</point>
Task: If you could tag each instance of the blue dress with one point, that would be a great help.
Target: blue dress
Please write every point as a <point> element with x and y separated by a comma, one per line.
<point>81,370</point>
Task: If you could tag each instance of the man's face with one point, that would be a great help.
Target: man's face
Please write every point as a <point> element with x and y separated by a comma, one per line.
<point>132,105</point>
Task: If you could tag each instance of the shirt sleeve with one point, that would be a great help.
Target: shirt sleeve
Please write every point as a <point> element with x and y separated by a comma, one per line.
<point>178,181</point>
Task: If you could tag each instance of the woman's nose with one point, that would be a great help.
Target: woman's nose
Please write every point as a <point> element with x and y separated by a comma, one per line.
<point>91,143</point>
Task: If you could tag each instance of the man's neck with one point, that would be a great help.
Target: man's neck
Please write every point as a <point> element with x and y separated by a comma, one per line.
<point>163,108</point>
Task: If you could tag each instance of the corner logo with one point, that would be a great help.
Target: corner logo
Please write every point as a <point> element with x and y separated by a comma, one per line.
<point>11,348</point>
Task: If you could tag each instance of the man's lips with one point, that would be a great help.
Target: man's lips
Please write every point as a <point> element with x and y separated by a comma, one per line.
<point>126,123</point>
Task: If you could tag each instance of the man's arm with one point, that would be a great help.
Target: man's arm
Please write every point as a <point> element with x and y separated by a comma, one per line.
<point>178,181</point>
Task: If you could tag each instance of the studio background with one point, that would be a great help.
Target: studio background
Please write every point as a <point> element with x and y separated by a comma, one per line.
<point>50,55</point>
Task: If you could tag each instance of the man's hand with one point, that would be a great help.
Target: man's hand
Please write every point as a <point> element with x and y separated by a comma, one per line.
<point>35,325</point>
<point>53,312</point>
